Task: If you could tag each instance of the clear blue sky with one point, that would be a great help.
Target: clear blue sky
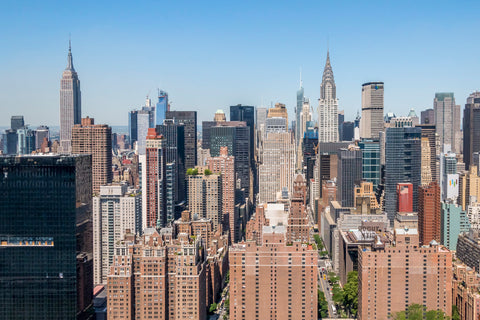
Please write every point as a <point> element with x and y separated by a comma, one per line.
<point>209,55</point>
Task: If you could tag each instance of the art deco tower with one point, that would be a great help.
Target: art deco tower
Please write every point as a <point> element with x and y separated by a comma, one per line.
<point>328,106</point>
<point>70,103</point>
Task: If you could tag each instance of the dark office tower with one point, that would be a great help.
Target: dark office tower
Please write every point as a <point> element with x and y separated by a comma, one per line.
<point>429,132</point>
<point>189,120</point>
<point>349,174</point>
<point>10,142</point>
<point>403,164</point>
<point>371,161</point>
<point>346,130</point>
<point>235,135</point>
<point>206,126</point>
<point>309,147</point>
<point>247,114</point>
<point>471,128</point>
<point>41,133</point>
<point>45,237</point>
<point>174,144</point>
<point>428,116</point>
<point>133,126</point>
<point>17,122</point>
<point>70,103</point>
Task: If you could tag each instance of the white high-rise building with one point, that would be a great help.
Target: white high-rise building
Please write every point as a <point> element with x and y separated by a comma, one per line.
<point>115,210</point>
<point>305,116</point>
<point>278,167</point>
<point>328,106</point>
<point>70,104</point>
<point>447,121</point>
<point>372,122</point>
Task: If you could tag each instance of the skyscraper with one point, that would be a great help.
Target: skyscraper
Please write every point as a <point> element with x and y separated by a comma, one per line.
<point>298,111</point>
<point>371,161</point>
<point>41,133</point>
<point>246,114</point>
<point>236,136</point>
<point>17,122</point>
<point>328,106</point>
<point>70,103</point>
<point>427,116</point>
<point>471,128</point>
<point>349,174</point>
<point>174,144</point>
<point>371,122</point>
<point>403,164</point>
<point>225,165</point>
<point>95,139</point>
<point>429,213</point>
<point>45,236</point>
<point>189,120</point>
<point>205,197</point>
<point>447,120</point>
<point>279,111</point>
<point>155,179</point>
<point>161,108</point>
<point>278,166</point>
<point>115,210</point>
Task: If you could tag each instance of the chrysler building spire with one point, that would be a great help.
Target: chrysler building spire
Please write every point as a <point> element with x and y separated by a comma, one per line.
<point>328,106</point>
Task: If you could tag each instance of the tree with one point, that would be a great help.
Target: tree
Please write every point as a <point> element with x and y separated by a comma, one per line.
<point>322,305</point>
<point>417,311</point>
<point>455,314</point>
<point>227,305</point>
<point>207,172</point>
<point>212,308</point>
<point>350,293</point>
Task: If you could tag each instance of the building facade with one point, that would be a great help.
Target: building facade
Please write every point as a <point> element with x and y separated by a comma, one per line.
<point>189,120</point>
<point>45,237</point>
<point>278,167</point>
<point>429,213</point>
<point>403,164</point>
<point>272,280</point>
<point>471,129</point>
<point>393,277</point>
<point>371,122</point>
<point>115,210</point>
<point>95,139</point>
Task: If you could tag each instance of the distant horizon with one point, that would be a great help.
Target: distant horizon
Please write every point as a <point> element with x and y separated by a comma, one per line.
<point>208,57</point>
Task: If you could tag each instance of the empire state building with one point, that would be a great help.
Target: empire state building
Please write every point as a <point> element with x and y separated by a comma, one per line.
<point>70,103</point>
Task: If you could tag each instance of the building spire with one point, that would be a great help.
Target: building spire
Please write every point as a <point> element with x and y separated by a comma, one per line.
<point>70,58</point>
<point>301,81</point>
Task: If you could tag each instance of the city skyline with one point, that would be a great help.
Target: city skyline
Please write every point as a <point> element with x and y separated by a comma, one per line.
<point>119,65</point>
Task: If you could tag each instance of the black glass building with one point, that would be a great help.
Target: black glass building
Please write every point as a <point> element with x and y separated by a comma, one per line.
<point>402,164</point>
<point>46,267</point>
<point>189,120</point>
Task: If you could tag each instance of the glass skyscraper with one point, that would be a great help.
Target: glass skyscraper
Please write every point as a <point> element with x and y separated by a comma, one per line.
<point>402,164</point>
<point>161,107</point>
<point>46,266</point>
<point>371,161</point>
